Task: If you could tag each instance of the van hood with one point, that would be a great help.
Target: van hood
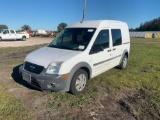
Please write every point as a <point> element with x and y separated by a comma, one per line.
<point>46,55</point>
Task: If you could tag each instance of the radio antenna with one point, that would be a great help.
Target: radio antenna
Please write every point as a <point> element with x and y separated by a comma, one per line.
<point>84,11</point>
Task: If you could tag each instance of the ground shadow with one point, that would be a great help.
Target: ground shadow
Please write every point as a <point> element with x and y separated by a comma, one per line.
<point>18,79</point>
<point>11,40</point>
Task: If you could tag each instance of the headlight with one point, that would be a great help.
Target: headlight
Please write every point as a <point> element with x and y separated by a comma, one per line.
<point>53,68</point>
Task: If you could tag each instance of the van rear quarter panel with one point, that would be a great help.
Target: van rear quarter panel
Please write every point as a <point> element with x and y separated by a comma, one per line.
<point>125,38</point>
<point>124,32</point>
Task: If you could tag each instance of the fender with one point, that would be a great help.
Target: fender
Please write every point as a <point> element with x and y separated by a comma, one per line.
<point>124,52</point>
<point>73,71</point>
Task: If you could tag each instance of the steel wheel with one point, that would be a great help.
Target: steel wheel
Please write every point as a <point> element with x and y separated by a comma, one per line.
<point>24,38</point>
<point>123,63</point>
<point>81,82</point>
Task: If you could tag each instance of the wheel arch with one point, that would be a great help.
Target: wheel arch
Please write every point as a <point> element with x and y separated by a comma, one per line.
<point>87,70</point>
<point>82,65</point>
<point>24,36</point>
<point>125,52</point>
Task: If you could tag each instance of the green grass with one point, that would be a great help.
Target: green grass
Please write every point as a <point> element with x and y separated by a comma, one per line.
<point>142,72</point>
<point>10,107</point>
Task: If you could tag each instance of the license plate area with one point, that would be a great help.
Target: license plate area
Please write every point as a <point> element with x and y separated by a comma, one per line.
<point>26,77</point>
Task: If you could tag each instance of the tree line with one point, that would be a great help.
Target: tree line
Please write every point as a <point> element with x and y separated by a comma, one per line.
<point>152,25</point>
<point>60,27</point>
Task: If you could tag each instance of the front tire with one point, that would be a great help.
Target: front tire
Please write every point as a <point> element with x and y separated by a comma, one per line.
<point>79,82</point>
<point>124,62</point>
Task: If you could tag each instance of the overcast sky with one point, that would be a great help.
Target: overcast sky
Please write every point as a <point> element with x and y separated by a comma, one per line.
<point>47,14</point>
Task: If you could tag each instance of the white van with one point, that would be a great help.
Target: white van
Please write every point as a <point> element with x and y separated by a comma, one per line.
<point>80,52</point>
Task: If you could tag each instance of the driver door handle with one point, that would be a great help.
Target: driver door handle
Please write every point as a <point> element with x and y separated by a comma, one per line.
<point>109,50</point>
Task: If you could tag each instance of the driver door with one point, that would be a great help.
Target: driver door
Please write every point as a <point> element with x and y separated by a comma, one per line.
<point>101,53</point>
<point>6,35</point>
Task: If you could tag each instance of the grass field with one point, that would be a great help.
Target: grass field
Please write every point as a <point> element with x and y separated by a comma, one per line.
<point>133,93</point>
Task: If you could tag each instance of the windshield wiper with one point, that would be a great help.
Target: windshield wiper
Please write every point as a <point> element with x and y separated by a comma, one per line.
<point>54,46</point>
<point>58,46</point>
<point>66,47</point>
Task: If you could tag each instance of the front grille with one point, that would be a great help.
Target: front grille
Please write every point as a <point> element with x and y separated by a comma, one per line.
<point>33,67</point>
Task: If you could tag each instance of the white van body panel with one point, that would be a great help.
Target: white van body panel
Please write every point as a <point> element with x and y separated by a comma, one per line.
<point>117,54</point>
<point>45,56</point>
<point>73,60</point>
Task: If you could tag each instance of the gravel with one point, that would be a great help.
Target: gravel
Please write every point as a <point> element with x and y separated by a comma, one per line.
<point>29,42</point>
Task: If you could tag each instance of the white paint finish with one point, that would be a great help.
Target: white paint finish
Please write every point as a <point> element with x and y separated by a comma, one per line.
<point>71,58</point>
<point>14,35</point>
<point>46,55</point>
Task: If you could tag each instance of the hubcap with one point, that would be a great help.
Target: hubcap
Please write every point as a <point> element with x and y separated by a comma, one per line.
<point>81,82</point>
<point>24,38</point>
<point>124,62</point>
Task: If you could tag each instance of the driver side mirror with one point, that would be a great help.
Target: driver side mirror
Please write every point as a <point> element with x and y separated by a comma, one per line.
<point>96,48</point>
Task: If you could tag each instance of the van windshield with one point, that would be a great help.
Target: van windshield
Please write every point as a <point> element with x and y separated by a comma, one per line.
<point>73,39</point>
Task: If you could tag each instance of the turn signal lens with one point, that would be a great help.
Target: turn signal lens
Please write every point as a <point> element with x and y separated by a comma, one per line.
<point>64,76</point>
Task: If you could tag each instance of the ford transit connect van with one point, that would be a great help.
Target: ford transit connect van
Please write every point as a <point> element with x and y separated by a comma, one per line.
<point>80,52</point>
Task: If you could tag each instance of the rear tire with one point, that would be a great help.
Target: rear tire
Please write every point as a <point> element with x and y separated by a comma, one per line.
<point>123,63</point>
<point>79,82</point>
<point>0,39</point>
<point>24,38</point>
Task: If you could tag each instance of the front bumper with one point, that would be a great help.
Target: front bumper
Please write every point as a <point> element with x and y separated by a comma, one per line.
<point>44,81</point>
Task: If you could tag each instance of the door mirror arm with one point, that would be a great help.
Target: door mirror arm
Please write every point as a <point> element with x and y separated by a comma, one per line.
<point>96,49</point>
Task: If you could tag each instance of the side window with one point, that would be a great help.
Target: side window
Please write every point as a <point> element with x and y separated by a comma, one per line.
<point>101,42</point>
<point>12,31</point>
<point>116,37</point>
<point>6,32</point>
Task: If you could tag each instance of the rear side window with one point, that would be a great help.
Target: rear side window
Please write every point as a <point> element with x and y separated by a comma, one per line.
<point>116,37</point>
<point>12,31</point>
<point>6,32</point>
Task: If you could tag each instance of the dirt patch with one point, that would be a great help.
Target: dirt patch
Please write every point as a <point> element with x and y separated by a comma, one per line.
<point>125,105</point>
<point>129,104</point>
<point>15,55</point>
<point>157,69</point>
<point>29,42</point>
<point>149,67</point>
<point>33,101</point>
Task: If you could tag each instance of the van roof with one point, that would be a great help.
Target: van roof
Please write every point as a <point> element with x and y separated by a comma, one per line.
<point>94,23</point>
